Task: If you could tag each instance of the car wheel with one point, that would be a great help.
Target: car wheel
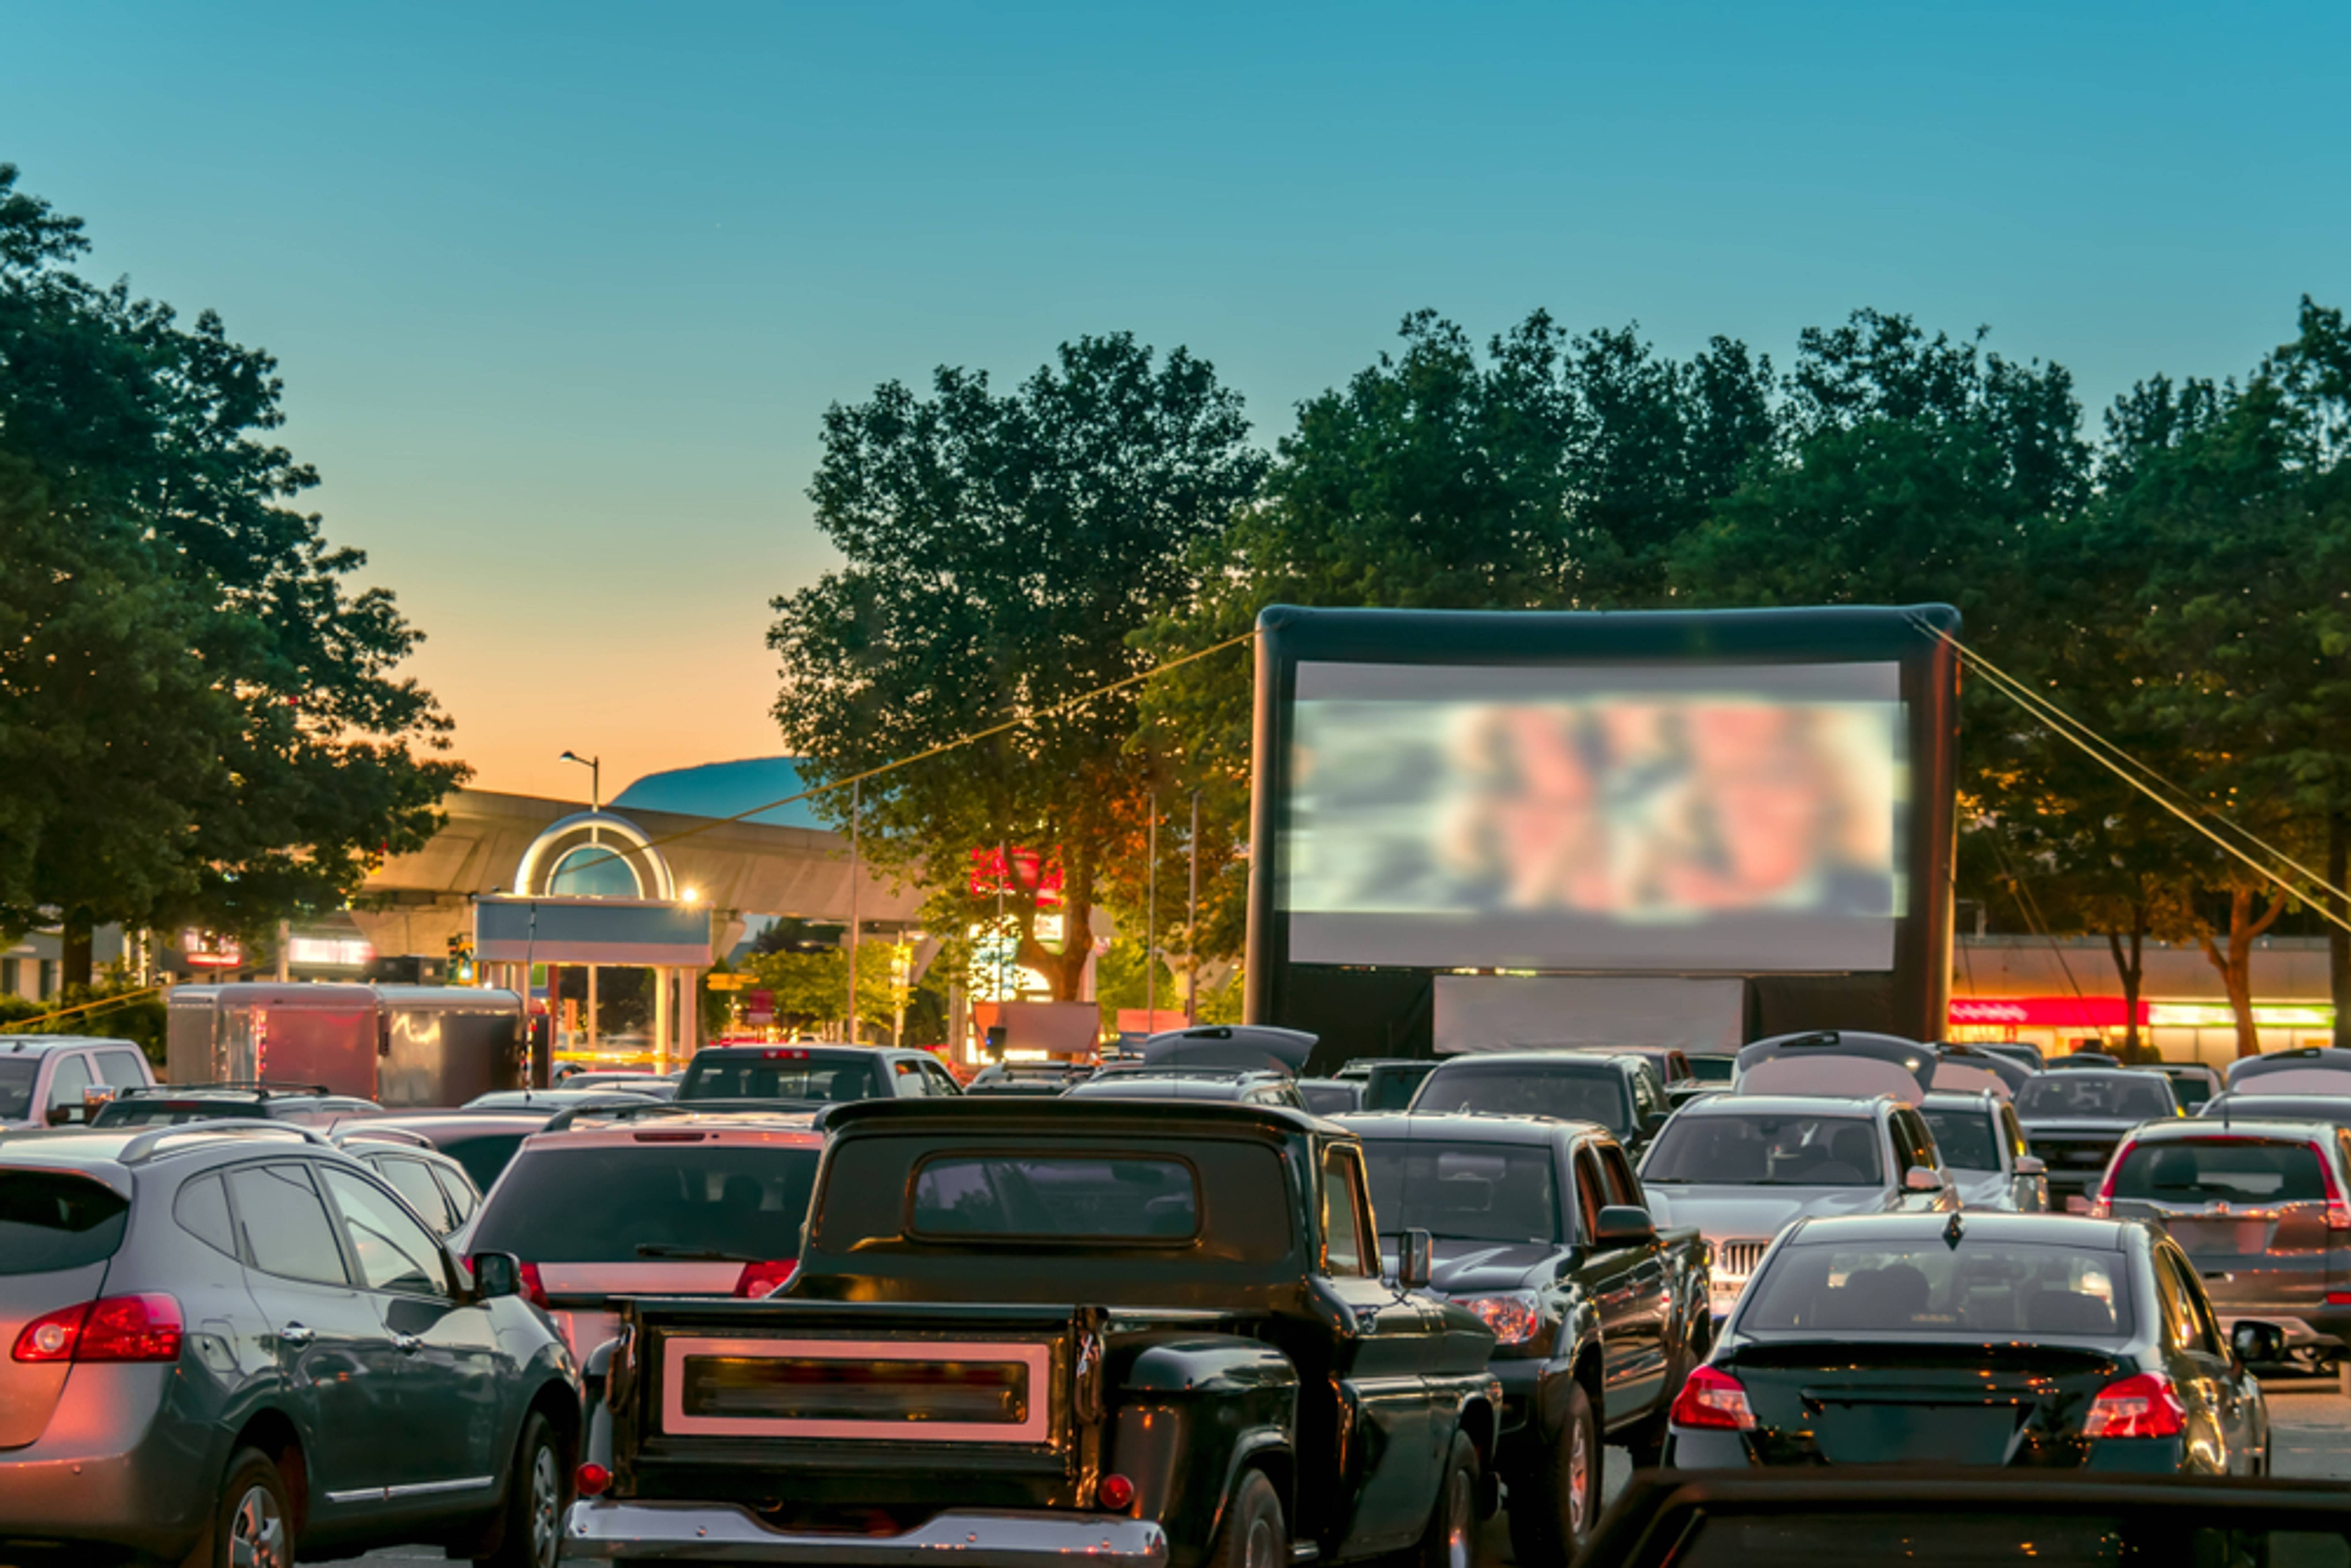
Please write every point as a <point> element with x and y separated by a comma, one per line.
<point>1552,1507</point>
<point>254,1525</point>
<point>531,1533</point>
<point>1452,1538</point>
<point>1254,1535</point>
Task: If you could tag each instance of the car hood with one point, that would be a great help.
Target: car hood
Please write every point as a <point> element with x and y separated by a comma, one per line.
<point>1473,1267</point>
<point>1719,1211</point>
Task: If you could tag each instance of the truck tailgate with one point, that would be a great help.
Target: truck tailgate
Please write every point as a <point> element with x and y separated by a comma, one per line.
<point>725,1398</point>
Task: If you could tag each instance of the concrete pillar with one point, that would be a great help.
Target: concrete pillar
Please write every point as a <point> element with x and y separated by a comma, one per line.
<point>665,978</point>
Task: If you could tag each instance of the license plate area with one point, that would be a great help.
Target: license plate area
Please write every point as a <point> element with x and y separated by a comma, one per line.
<point>1866,1432</point>
<point>2220,1238</point>
<point>888,1390</point>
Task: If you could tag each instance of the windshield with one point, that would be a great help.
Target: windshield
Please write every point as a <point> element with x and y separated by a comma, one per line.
<point>1766,1151</point>
<point>17,1075</point>
<point>1090,1197</point>
<point>1930,1290</point>
<point>2138,1096</point>
<point>1965,1136</point>
<point>2230,1170</point>
<point>50,1221</point>
<point>1594,1093</point>
<point>1463,1192</point>
<point>796,1077</point>
<point>594,1204</point>
<point>484,1155</point>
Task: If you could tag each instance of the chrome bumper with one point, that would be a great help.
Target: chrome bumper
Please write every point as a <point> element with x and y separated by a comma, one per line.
<point>707,1532</point>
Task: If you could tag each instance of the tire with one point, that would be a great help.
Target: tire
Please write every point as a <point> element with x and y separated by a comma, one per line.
<point>1254,1534</point>
<point>530,1518</point>
<point>1451,1541</point>
<point>253,1523</point>
<point>1553,1506</point>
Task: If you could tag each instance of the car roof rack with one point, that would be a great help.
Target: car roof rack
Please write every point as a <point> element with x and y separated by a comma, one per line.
<point>263,1087</point>
<point>563,1121</point>
<point>148,1145</point>
<point>368,1132</point>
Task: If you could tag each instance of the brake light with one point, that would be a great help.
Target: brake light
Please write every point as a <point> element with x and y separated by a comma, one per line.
<point>1115,1493</point>
<point>113,1328</point>
<point>1713,1399</point>
<point>592,1479</point>
<point>2103,1206</point>
<point>784,1055</point>
<point>765,1279</point>
<point>2139,1407</point>
<point>2338,1213</point>
<point>534,1289</point>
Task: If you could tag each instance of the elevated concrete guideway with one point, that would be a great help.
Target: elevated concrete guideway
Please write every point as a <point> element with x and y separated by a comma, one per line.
<point>738,869</point>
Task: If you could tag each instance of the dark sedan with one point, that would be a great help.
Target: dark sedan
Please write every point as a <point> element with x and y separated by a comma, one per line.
<point>1974,1340</point>
<point>2074,1120</point>
<point>1620,1091</point>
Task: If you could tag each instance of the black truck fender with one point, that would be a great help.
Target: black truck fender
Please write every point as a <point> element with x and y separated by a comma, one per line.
<point>1193,1413</point>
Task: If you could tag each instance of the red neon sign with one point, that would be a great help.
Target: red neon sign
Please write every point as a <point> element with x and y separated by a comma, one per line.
<point>2043,1012</point>
<point>987,877</point>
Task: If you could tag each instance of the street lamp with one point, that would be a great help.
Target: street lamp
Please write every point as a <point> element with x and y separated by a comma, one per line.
<point>595,766</point>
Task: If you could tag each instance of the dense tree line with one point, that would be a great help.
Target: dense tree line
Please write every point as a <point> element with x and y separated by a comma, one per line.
<point>202,721</point>
<point>2180,583</point>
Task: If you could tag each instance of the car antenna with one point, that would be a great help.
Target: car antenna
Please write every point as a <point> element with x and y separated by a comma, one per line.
<point>1954,1232</point>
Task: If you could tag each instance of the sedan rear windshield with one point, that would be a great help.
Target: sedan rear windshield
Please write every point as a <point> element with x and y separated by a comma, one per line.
<point>2222,1169</point>
<point>49,1222</point>
<point>1927,1290</point>
<point>17,1076</point>
<point>599,1203</point>
<point>798,1077</point>
<point>1088,1198</point>
<point>2054,1096</point>
<point>1758,1150</point>
<point>1595,1093</point>
<point>1965,1138</point>
<point>1464,1192</point>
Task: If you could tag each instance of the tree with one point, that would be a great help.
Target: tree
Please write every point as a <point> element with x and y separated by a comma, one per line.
<point>251,771</point>
<point>1000,552</point>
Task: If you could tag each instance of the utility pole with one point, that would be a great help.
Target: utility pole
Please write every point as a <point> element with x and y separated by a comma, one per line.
<point>1192,927</point>
<point>854,800</point>
<point>1151,922</point>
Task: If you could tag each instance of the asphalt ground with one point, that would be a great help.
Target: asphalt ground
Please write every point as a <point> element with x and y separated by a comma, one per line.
<point>2309,1435</point>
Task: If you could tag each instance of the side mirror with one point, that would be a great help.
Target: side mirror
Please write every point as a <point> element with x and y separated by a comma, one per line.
<point>1624,1225</point>
<point>1922,1178</point>
<point>2257,1345</point>
<point>2031,1165</point>
<point>497,1274</point>
<point>1415,1259</point>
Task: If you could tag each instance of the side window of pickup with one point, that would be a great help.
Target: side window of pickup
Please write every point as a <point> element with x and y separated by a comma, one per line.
<point>1589,1187</point>
<point>1623,1187</point>
<point>1345,1214</point>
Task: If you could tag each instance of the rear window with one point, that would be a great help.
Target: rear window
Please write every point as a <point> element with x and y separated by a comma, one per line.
<point>17,1075</point>
<point>1464,1192</point>
<point>595,1202</point>
<point>2052,1096</point>
<point>2192,1089</point>
<point>1927,1290</point>
<point>1085,1197</point>
<point>1966,1138</point>
<point>2232,1170</point>
<point>1765,1151</point>
<point>484,1155</point>
<point>1594,1094</point>
<point>49,1222</point>
<point>715,1077</point>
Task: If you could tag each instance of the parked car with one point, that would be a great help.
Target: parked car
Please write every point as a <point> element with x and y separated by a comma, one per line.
<point>1845,1064</point>
<point>1744,1167</point>
<point>230,1337</point>
<point>1967,1069</point>
<point>437,1187</point>
<point>1332,1096</point>
<point>1974,1340</point>
<point>1189,1083</point>
<point>2193,1084</point>
<point>1714,1067</point>
<point>175,1104</point>
<point>1538,1228</point>
<point>1617,1091</point>
<point>2019,1050</point>
<point>480,1141</point>
<point>676,1203</point>
<point>1389,1082</point>
<point>2331,1108</point>
<point>1237,1376</point>
<point>57,1080</point>
<point>2305,1069</point>
<point>553,1100</point>
<point>653,1085</point>
<point>814,1074</point>
<point>2262,1208</point>
<point>2085,1057</point>
<point>2074,1120</point>
<point>1982,1145</point>
<point>1040,1078</point>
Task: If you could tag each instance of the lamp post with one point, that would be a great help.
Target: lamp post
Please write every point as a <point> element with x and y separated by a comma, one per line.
<point>595,766</point>
<point>1192,927</point>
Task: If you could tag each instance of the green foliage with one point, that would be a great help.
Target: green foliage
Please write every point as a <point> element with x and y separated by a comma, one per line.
<point>203,722</point>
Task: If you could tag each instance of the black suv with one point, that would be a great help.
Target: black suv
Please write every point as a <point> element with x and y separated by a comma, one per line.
<point>230,1343</point>
<point>814,1074</point>
<point>1620,1091</point>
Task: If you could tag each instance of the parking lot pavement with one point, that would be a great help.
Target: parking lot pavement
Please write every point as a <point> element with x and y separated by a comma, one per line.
<point>2309,1435</point>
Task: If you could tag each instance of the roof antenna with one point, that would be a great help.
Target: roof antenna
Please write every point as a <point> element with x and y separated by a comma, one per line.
<point>1954,1232</point>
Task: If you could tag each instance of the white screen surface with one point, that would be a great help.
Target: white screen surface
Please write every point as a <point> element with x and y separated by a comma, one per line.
<point>1734,818</point>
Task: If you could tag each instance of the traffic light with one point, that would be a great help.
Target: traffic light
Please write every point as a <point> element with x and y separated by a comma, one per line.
<point>461,958</point>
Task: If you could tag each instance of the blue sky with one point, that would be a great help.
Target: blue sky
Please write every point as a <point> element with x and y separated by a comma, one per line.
<point>560,292</point>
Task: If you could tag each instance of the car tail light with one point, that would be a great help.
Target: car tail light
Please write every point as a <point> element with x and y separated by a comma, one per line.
<point>784,1055</point>
<point>1116,1493</point>
<point>2338,1213</point>
<point>2103,1206</point>
<point>1713,1399</point>
<point>592,1479</point>
<point>113,1328</point>
<point>534,1289</point>
<point>2339,1298</point>
<point>2139,1407</point>
<point>765,1279</point>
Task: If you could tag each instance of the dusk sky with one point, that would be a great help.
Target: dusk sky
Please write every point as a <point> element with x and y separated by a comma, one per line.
<point>560,292</point>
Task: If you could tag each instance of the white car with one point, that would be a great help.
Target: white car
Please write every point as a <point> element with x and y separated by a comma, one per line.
<point>57,1080</point>
<point>1982,1145</point>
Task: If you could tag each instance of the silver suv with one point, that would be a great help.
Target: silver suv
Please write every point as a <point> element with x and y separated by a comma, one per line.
<point>227,1342</point>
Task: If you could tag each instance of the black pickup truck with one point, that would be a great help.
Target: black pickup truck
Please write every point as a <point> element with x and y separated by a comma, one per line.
<point>1153,1334</point>
<point>1540,1229</point>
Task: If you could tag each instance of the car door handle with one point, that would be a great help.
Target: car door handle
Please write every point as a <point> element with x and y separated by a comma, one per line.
<point>407,1343</point>
<point>295,1335</point>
